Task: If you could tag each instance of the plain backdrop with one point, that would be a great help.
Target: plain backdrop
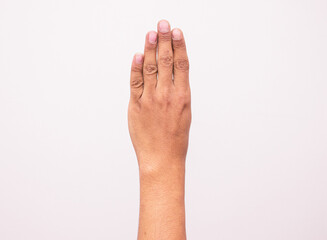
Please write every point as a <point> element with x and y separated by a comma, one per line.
<point>257,161</point>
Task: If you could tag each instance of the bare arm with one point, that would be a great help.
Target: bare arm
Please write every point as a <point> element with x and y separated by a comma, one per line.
<point>159,119</point>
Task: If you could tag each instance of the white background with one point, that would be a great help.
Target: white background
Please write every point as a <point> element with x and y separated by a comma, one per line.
<point>257,162</point>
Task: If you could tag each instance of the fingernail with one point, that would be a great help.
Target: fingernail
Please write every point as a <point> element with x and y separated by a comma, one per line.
<point>163,26</point>
<point>153,37</point>
<point>177,35</point>
<point>139,58</point>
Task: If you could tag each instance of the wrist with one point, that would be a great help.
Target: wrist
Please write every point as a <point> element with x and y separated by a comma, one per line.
<point>156,167</point>
<point>163,180</point>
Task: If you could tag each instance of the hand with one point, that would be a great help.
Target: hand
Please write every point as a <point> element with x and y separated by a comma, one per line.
<point>159,113</point>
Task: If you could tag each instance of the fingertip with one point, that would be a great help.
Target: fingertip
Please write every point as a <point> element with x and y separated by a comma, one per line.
<point>163,26</point>
<point>137,63</point>
<point>178,39</point>
<point>177,34</point>
<point>152,37</point>
<point>138,58</point>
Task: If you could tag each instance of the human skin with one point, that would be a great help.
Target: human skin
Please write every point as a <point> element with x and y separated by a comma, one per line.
<point>159,118</point>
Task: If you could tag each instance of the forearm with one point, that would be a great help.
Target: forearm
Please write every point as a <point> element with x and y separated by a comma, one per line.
<point>162,209</point>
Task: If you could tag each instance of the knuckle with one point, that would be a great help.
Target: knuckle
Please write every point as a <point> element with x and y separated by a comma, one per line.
<point>179,43</point>
<point>164,97</point>
<point>166,60</point>
<point>150,69</point>
<point>184,98</point>
<point>147,103</point>
<point>136,68</point>
<point>164,102</point>
<point>165,37</point>
<point>182,64</point>
<point>150,47</point>
<point>134,109</point>
<point>136,82</point>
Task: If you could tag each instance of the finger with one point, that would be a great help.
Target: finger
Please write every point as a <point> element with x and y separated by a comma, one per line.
<point>136,81</point>
<point>181,63</point>
<point>165,55</point>
<point>150,64</point>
